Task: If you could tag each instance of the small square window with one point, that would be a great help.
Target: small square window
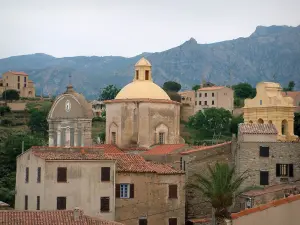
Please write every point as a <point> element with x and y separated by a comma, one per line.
<point>263,151</point>
<point>143,221</point>
<point>172,191</point>
<point>205,103</point>
<point>104,204</point>
<point>172,221</point>
<point>62,174</point>
<point>105,173</point>
<point>61,203</point>
<point>284,170</point>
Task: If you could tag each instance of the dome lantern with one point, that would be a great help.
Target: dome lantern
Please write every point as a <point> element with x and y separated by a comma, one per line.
<point>143,70</point>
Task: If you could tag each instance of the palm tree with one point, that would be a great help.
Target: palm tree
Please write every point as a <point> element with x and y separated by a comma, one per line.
<point>220,187</point>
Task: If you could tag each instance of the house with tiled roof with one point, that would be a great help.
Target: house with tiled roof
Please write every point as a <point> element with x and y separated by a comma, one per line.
<point>103,181</point>
<point>50,217</point>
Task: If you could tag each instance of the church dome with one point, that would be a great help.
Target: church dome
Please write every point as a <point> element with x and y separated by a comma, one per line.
<point>142,86</point>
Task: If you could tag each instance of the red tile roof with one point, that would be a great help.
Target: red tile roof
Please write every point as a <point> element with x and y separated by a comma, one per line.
<point>211,88</point>
<point>140,149</point>
<point>164,149</point>
<point>201,221</point>
<point>266,206</point>
<point>63,217</point>
<point>201,148</point>
<point>271,189</point>
<point>257,128</point>
<point>109,148</point>
<point>18,73</point>
<point>291,94</point>
<point>125,162</point>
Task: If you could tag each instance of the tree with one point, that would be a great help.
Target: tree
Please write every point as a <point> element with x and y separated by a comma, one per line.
<point>10,95</point>
<point>220,187</point>
<point>244,90</point>
<point>290,87</point>
<point>108,93</point>
<point>211,120</point>
<point>3,110</point>
<point>236,120</point>
<point>38,119</point>
<point>196,87</point>
<point>171,86</point>
<point>297,124</point>
<point>174,96</point>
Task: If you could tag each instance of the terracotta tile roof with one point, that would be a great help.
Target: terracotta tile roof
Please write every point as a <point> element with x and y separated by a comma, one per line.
<point>211,88</point>
<point>18,73</point>
<point>164,149</point>
<point>140,149</point>
<point>266,206</point>
<point>201,221</point>
<point>141,100</point>
<point>275,188</point>
<point>201,148</point>
<point>109,148</point>
<point>137,164</point>
<point>257,128</point>
<point>291,94</point>
<point>65,217</point>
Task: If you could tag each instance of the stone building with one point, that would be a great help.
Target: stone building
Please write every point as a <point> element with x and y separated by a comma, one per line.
<point>103,181</point>
<point>187,108</point>
<point>70,120</point>
<point>98,107</point>
<point>18,81</point>
<point>142,113</point>
<point>270,106</point>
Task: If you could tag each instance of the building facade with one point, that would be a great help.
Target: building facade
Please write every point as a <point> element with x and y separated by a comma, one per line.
<point>98,107</point>
<point>70,120</point>
<point>270,106</point>
<point>295,95</point>
<point>113,186</point>
<point>18,81</point>
<point>142,113</point>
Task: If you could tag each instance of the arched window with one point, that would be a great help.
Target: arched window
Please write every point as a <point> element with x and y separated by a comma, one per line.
<point>284,127</point>
<point>261,121</point>
<point>250,121</point>
<point>270,122</point>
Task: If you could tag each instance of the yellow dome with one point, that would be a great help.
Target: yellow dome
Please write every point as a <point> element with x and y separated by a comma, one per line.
<point>143,62</point>
<point>142,89</point>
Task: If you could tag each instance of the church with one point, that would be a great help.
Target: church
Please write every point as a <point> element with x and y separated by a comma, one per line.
<point>142,114</point>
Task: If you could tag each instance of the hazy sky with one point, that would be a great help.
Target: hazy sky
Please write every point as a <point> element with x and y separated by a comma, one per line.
<point>130,27</point>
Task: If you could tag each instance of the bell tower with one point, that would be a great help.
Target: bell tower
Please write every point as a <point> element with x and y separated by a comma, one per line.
<point>143,70</point>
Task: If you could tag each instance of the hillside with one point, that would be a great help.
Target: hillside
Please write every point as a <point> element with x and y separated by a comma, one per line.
<point>267,53</point>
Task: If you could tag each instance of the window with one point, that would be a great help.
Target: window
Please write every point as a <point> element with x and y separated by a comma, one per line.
<point>7,84</point>
<point>284,170</point>
<point>264,177</point>
<point>18,78</point>
<point>182,164</point>
<point>37,202</point>
<point>27,175</point>
<point>200,95</point>
<point>161,138</point>
<point>172,221</point>
<point>38,175</point>
<point>200,102</point>
<point>213,94</point>
<point>263,151</point>
<point>18,85</point>
<point>26,202</point>
<point>205,95</point>
<point>195,102</point>
<point>61,203</point>
<point>25,85</point>
<point>147,75</point>
<point>104,204</point>
<point>260,102</point>
<point>124,190</point>
<point>136,74</point>
<point>212,102</point>
<point>25,79</point>
<point>105,173</point>
<point>143,221</point>
<point>205,103</point>
<point>62,174</point>
<point>172,191</point>
<point>113,137</point>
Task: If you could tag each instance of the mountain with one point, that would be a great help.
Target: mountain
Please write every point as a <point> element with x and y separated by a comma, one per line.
<point>267,54</point>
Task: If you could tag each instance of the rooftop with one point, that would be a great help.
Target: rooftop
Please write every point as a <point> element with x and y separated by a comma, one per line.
<point>107,148</point>
<point>164,149</point>
<point>201,148</point>
<point>257,128</point>
<point>213,88</point>
<point>65,217</point>
<point>18,73</point>
<point>291,94</point>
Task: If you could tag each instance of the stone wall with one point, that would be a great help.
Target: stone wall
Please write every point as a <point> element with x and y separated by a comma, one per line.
<point>247,159</point>
<point>186,111</point>
<point>151,199</point>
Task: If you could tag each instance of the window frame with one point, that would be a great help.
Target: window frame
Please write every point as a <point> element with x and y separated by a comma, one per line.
<point>103,208</point>
<point>161,138</point>
<point>123,192</point>
<point>39,171</point>
<point>65,169</point>
<point>143,221</point>
<point>260,177</point>
<point>174,222</point>
<point>57,202</point>
<point>212,102</point>
<point>261,152</point>
<point>27,175</point>
<point>289,170</point>
<point>173,188</point>
<point>147,74</point>
<point>113,137</point>
<point>38,203</point>
<point>104,177</point>
<point>26,202</point>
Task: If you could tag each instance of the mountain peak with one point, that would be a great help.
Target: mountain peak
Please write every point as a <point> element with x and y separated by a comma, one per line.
<point>191,41</point>
<point>264,30</point>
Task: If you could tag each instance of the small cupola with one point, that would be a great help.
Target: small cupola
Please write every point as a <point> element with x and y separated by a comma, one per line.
<point>143,70</point>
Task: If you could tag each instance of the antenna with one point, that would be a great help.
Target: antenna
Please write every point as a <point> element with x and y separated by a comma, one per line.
<point>70,79</point>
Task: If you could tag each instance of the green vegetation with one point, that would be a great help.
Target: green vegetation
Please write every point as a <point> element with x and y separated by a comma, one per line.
<point>3,110</point>
<point>290,87</point>
<point>241,92</point>
<point>196,87</point>
<point>171,88</point>
<point>10,95</point>
<point>108,93</point>
<point>220,186</point>
<point>236,120</point>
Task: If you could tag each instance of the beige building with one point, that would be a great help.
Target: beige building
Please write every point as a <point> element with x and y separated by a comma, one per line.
<point>112,186</point>
<point>142,113</point>
<point>98,107</point>
<point>270,106</point>
<point>215,96</point>
<point>295,95</point>
<point>18,81</point>
<point>70,120</point>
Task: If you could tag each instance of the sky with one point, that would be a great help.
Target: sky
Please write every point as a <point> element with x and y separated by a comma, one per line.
<point>130,27</point>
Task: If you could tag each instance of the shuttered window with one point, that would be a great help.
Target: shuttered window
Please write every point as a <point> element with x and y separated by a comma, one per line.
<point>105,173</point>
<point>124,190</point>
<point>104,204</point>
<point>27,175</point>
<point>61,203</point>
<point>38,180</point>
<point>26,202</point>
<point>263,151</point>
<point>173,191</point>
<point>284,170</point>
<point>38,203</point>
<point>143,221</point>
<point>172,221</point>
<point>62,174</point>
<point>264,177</point>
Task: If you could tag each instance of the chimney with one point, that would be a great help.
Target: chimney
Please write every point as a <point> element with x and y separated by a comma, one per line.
<point>76,213</point>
